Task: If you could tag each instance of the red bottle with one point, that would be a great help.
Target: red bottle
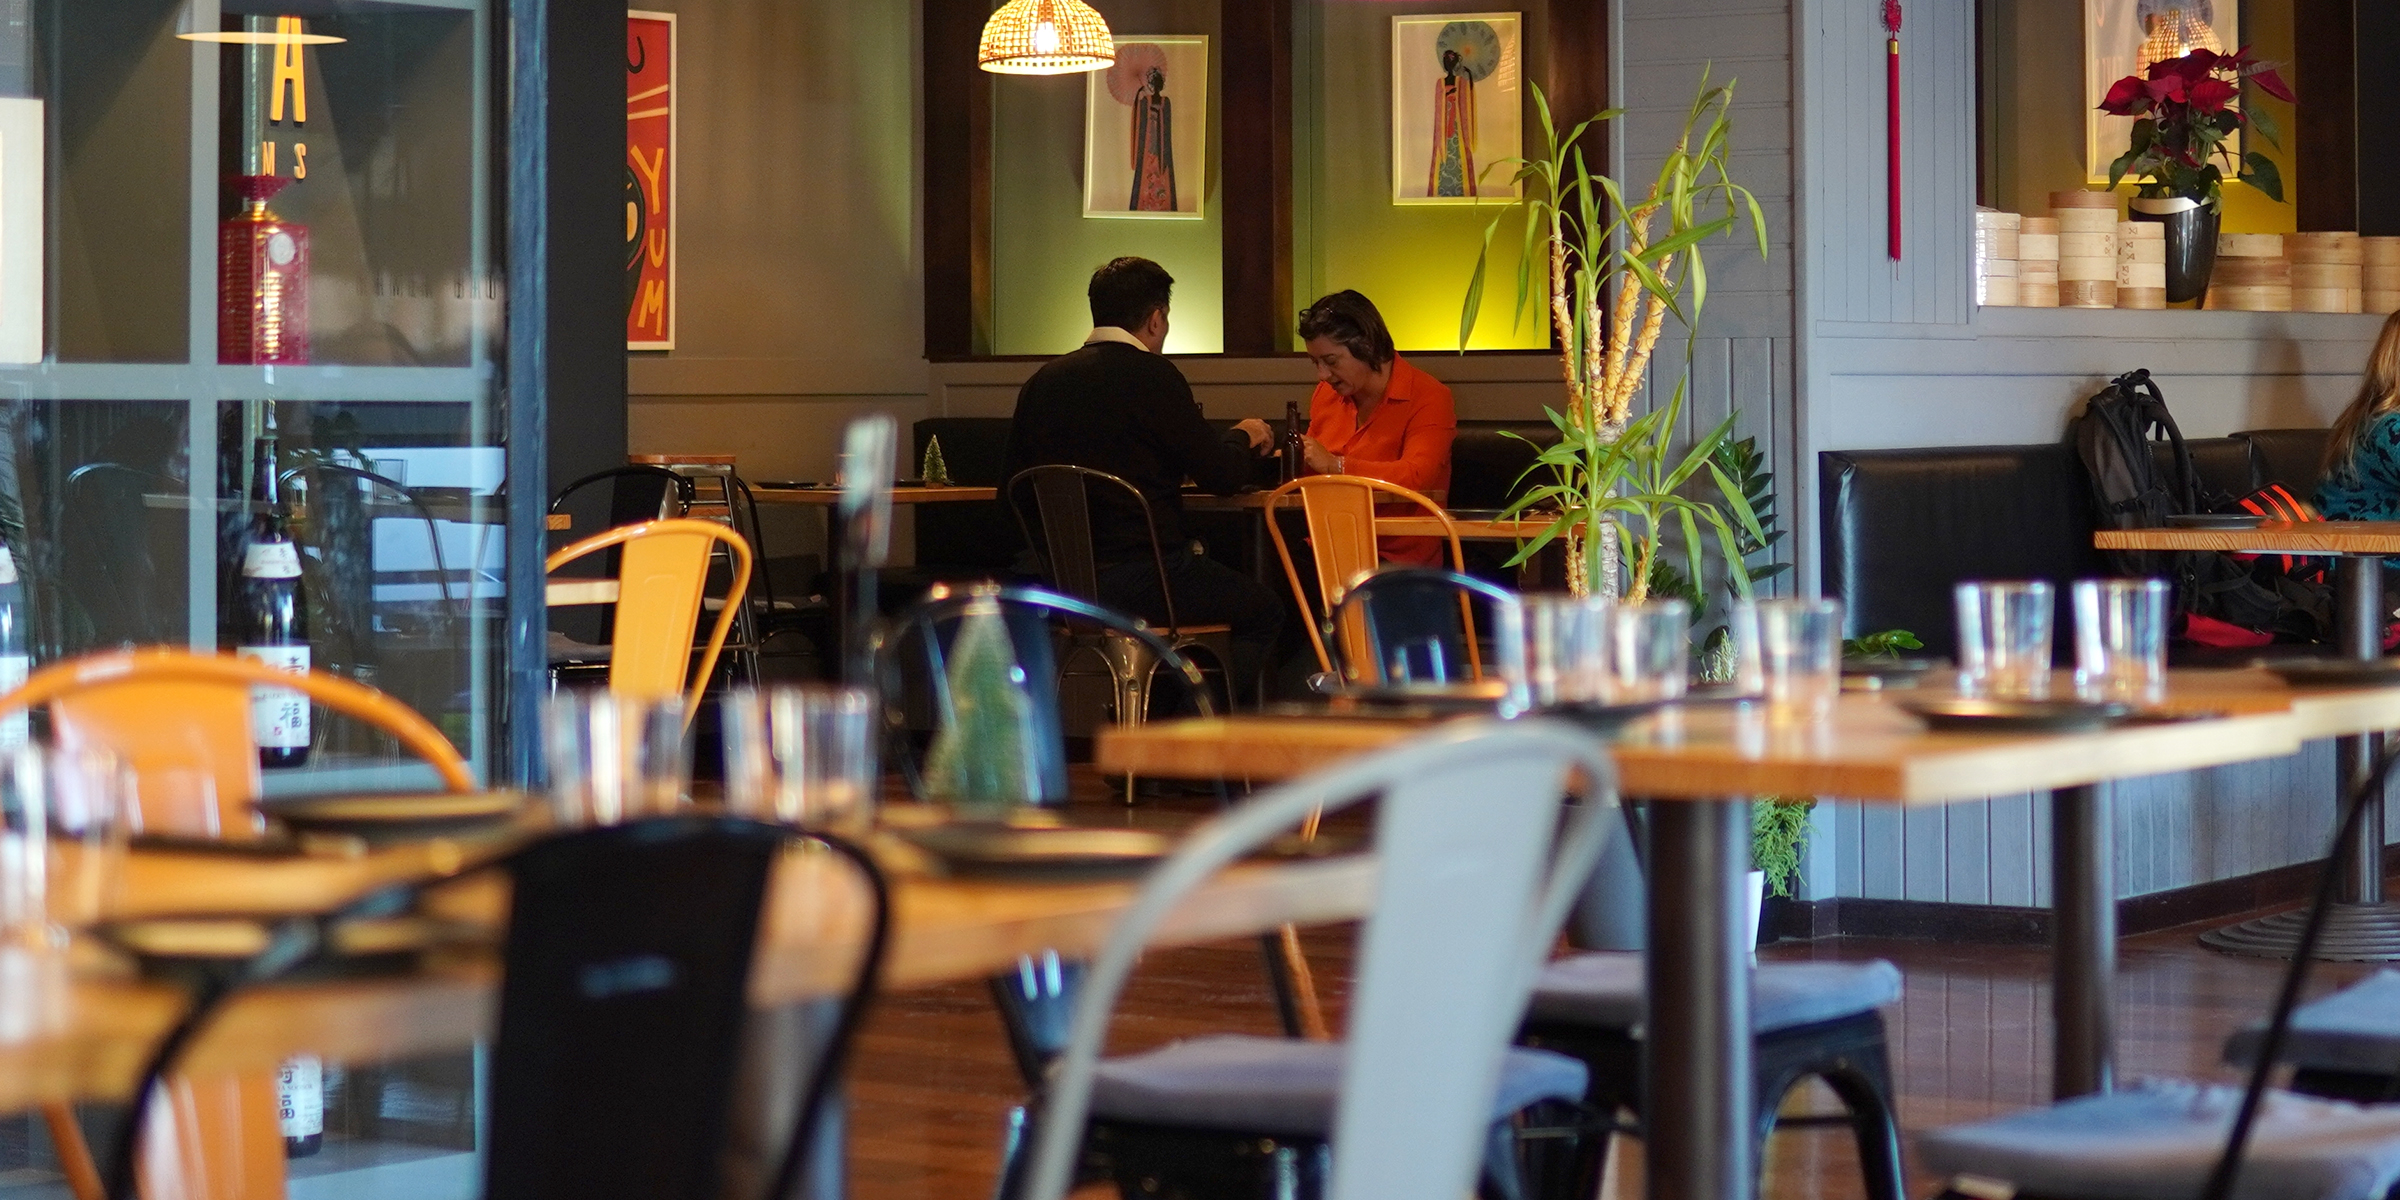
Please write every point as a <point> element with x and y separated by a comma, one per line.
<point>262,281</point>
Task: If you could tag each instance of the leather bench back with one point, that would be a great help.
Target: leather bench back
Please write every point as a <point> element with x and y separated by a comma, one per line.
<point>981,535</point>
<point>2294,458</point>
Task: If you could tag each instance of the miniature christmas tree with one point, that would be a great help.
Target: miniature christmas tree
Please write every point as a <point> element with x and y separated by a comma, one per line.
<point>984,761</point>
<point>933,470</point>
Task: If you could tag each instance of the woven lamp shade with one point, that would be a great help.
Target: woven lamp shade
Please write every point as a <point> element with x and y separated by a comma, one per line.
<point>1045,37</point>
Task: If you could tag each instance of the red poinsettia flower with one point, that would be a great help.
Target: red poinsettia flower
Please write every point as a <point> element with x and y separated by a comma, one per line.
<point>2271,83</point>
<point>2168,89</point>
<point>2191,67</point>
<point>2212,95</point>
<point>2126,97</point>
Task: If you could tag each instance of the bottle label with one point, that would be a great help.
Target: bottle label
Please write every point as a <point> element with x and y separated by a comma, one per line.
<point>279,716</point>
<point>271,560</point>
<point>16,726</point>
<point>8,567</point>
<point>300,1097</point>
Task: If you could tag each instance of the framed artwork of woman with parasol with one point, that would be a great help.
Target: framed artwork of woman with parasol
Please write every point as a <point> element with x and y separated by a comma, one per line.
<point>1457,107</point>
<point>1145,130</point>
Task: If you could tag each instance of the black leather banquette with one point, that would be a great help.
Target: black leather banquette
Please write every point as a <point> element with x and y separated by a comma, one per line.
<point>1901,528</point>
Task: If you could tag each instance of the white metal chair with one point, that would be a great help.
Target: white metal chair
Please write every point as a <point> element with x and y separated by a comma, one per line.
<point>1477,872</point>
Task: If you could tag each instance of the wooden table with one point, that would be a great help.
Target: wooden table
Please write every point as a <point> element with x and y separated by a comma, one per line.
<point>1700,1114</point>
<point>944,930</point>
<point>2363,924</point>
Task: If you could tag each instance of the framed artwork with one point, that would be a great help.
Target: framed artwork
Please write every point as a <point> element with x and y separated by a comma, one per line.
<point>2123,37</point>
<point>1145,131</point>
<point>650,169</point>
<point>1457,107</point>
<point>21,235</point>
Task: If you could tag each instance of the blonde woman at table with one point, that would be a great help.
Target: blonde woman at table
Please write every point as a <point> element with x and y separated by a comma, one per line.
<point>2362,457</point>
<point>1375,414</point>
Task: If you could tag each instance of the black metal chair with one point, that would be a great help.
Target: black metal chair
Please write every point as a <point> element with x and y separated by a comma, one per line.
<point>1060,532</point>
<point>622,1006</point>
<point>1036,1001</point>
<point>636,493</point>
<point>1413,626</point>
<point>106,558</point>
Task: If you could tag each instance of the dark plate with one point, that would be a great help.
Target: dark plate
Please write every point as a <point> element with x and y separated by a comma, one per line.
<point>1891,668</point>
<point>901,483</point>
<point>187,947</point>
<point>1069,852</point>
<point>1342,709</point>
<point>402,815</point>
<point>1602,718</point>
<point>1442,698</point>
<point>2334,672</point>
<point>1966,715</point>
<point>274,845</point>
<point>2214,521</point>
<point>791,485</point>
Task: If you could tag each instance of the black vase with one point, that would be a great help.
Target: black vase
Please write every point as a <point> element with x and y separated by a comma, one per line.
<point>2191,241</point>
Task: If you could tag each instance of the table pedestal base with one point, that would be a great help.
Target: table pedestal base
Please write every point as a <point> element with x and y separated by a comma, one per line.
<point>2353,933</point>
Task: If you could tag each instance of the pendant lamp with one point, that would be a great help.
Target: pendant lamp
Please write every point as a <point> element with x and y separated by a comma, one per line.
<point>288,31</point>
<point>1045,37</point>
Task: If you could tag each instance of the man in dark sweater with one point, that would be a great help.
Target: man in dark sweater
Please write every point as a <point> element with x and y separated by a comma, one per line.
<point>1117,405</point>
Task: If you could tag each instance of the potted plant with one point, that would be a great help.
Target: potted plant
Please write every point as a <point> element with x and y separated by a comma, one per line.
<point>2186,117</point>
<point>1617,271</point>
<point>1779,827</point>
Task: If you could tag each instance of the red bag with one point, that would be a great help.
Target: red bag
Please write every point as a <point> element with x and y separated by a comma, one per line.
<point>2209,631</point>
<point>2277,503</point>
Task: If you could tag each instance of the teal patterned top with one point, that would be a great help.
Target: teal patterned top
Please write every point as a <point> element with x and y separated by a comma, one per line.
<point>2367,488</point>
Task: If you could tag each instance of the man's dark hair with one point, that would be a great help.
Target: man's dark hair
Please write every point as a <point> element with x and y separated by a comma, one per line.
<point>1351,321</point>
<point>1126,291</point>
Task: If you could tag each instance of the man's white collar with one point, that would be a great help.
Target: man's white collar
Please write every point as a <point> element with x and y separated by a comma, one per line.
<point>1112,333</point>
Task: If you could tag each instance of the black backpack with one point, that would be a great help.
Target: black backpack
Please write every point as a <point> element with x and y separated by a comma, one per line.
<point>2114,437</point>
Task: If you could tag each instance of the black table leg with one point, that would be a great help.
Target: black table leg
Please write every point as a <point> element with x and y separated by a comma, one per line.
<point>1701,1133</point>
<point>2362,926</point>
<point>2083,942</point>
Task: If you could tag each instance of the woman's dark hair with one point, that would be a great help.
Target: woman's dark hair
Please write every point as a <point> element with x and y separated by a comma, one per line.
<point>1126,291</point>
<point>1350,320</point>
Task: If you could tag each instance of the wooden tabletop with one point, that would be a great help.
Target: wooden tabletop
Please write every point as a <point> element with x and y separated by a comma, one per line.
<point>2290,537</point>
<point>1871,749</point>
<point>98,1029</point>
<point>830,495</point>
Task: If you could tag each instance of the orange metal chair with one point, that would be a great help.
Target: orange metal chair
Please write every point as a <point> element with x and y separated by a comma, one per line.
<point>163,711</point>
<point>1341,532</point>
<point>661,583</point>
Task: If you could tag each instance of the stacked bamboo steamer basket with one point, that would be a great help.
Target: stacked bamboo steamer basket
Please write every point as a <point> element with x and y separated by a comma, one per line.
<point>2380,260</point>
<point>2037,262</point>
<point>2252,274</point>
<point>2328,272</point>
<point>2141,264</point>
<point>1996,257</point>
<point>2087,248</point>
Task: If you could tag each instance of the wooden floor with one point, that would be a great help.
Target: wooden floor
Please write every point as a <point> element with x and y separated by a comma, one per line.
<point>933,1082</point>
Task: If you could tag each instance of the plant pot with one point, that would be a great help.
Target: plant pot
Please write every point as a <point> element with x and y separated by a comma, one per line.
<point>2191,241</point>
<point>1758,899</point>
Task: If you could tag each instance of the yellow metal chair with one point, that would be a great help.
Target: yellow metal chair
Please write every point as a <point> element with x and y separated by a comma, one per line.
<point>661,583</point>
<point>168,711</point>
<point>1340,510</point>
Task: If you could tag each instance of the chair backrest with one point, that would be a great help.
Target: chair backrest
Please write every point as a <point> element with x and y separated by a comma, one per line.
<point>106,556</point>
<point>1416,625</point>
<point>1340,510</point>
<point>911,651</point>
<point>166,710</point>
<point>1476,874</point>
<point>637,492</point>
<point>1061,496</point>
<point>621,1008</point>
<point>662,578</point>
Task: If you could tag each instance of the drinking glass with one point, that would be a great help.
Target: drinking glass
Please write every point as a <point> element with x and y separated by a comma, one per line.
<point>2004,639</point>
<point>803,755</point>
<point>1645,650</point>
<point>64,813</point>
<point>1562,651</point>
<point>615,758</point>
<point>1790,652</point>
<point>2121,640</point>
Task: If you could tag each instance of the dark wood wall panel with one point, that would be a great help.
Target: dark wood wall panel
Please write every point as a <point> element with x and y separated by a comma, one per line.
<point>2376,50</point>
<point>2325,144</point>
<point>1257,174</point>
<point>957,177</point>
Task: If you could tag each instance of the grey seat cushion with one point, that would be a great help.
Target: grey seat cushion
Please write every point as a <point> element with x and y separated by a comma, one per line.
<point>2158,1139</point>
<point>1606,990</point>
<point>2354,1029</point>
<point>1281,1085</point>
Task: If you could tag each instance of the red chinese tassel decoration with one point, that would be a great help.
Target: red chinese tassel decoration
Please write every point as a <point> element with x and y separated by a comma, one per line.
<point>1891,124</point>
<point>262,302</point>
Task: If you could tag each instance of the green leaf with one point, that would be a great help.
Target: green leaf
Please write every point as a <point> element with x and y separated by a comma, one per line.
<point>2263,123</point>
<point>2263,175</point>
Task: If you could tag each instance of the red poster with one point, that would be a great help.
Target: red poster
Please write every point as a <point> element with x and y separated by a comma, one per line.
<point>650,181</point>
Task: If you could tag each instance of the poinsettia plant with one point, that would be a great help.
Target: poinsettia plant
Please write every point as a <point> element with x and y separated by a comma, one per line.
<point>2185,112</point>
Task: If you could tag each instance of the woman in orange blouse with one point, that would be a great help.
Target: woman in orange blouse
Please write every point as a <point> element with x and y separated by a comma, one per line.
<point>1375,414</point>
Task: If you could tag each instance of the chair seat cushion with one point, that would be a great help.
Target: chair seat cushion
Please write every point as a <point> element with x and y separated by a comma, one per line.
<point>1605,990</point>
<point>1281,1085</point>
<point>2159,1139</point>
<point>2354,1029</point>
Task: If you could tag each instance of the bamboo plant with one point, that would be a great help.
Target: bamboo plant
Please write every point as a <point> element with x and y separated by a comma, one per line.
<point>1617,272</point>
